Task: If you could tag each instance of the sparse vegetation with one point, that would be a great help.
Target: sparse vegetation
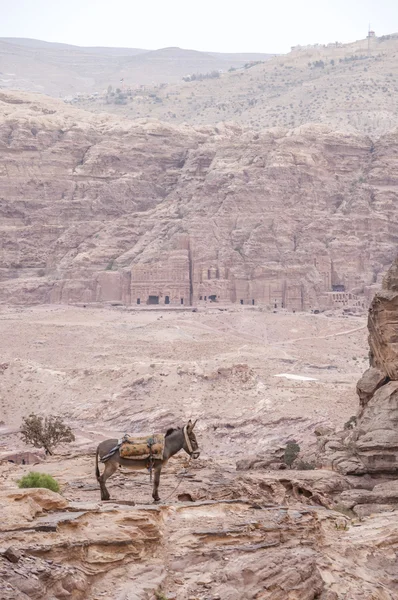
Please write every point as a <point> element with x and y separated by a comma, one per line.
<point>303,465</point>
<point>292,451</point>
<point>253,63</point>
<point>45,432</point>
<point>38,480</point>
<point>202,76</point>
<point>121,98</point>
<point>159,595</point>
<point>351,423</point>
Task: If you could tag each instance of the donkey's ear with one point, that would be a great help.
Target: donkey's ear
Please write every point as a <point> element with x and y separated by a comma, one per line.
<point>191,425</point>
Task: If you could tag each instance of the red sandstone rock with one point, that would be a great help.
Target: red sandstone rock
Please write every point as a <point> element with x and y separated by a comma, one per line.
<point>96,209</point>
<point>370,381</point>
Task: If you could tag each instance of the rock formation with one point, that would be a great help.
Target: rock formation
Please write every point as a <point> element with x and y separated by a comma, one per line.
<point>376,436</point>
<point>95,209</point>
<point>371,447</point>
<point>254,536</point>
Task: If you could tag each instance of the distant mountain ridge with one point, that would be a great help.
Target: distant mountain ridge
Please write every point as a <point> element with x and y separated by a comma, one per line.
<point>62,69</point>
<point>32,43</point>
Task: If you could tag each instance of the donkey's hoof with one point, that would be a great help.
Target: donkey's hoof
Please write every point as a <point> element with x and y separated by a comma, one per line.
<point>156,500</point>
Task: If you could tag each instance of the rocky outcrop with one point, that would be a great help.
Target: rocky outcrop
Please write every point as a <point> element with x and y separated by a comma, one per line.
<point>370,443</point>
<point>95,209</point>
<point>376,434</point>
<point>276,539</point>
<point>370,381</point>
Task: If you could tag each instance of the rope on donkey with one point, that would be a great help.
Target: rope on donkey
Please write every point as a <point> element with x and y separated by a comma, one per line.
<point>180,477</point>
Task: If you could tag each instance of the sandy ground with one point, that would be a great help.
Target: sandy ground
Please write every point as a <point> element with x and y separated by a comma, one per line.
<point>112,370</point>
<point>254,379</point>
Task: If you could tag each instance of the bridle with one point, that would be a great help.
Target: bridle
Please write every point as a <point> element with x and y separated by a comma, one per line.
<point>193,453</point>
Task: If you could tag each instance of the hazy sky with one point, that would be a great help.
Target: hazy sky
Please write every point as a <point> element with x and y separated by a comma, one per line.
<point>218,25</point>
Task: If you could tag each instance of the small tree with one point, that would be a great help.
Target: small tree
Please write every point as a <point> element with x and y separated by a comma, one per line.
<point>45,432</point>
<point>291,453</point>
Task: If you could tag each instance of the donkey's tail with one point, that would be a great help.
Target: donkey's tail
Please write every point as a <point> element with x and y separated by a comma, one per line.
<point>97,471</point>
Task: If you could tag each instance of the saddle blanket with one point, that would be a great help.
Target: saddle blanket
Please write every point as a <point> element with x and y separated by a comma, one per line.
<point>141,448</point>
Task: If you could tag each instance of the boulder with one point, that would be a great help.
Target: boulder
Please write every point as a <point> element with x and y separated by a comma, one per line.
<point>383,338</point>
<point>370,381</point>
<point>46,499</point>
<point>372,446</point>
<point>383,494</point>
<point>376,442</point>
<point>382,325</point>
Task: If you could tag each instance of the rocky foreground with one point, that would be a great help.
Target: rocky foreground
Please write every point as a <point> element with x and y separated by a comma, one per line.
<point>231,525</point>
<point>223,535</point>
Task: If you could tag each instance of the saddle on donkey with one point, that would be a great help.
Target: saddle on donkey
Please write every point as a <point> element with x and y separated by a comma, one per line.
<point>142,448</point>
<point>139,448</point>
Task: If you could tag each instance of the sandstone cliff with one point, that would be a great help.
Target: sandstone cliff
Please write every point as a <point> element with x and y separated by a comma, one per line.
<point>99,209</point>
<point>376,436</point>
<point>370,444</point>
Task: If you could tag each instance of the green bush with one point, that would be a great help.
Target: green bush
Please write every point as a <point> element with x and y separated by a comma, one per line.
<point>38,480</point>
<point>303,465</point>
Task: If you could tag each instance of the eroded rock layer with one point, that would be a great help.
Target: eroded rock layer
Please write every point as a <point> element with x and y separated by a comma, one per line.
<point>369,442</point>
<point>376,437</point>
<point>98,209</point>
<point>272,540</point>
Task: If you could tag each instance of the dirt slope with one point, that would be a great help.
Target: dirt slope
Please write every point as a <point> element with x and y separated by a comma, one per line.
<point>345,87</point>
<point>64,70</point>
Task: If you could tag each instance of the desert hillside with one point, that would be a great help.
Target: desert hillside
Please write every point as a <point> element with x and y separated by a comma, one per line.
<point>108,371</point>
<point>348,87</point>
<point>207,252</point>
<point>64,70</point>
<point>232,523</point>
<point>95,208</point>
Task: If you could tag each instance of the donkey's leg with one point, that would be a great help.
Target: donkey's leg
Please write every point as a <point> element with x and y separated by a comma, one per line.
<point>156,481</point>
<point>110,468</point>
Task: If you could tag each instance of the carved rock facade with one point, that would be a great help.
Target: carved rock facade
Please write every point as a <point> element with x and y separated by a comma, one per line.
<point>95,209</point>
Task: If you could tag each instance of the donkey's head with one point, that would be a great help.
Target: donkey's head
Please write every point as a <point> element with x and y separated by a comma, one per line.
<point>190,445</point>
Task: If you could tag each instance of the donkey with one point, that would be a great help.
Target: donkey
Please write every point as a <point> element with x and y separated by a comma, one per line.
<point>176,439</point>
